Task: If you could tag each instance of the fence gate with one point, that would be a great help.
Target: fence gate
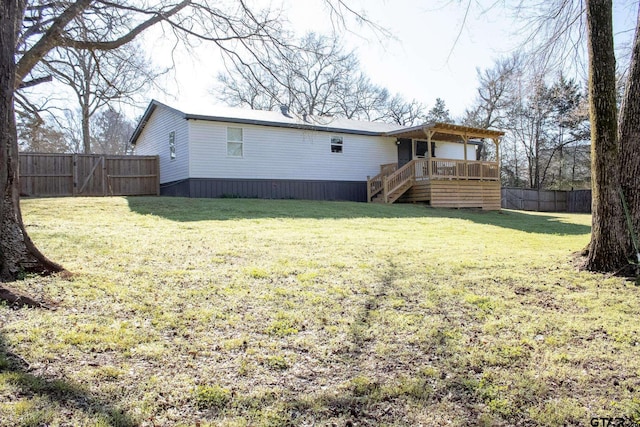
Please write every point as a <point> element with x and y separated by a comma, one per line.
<point>89,173</point>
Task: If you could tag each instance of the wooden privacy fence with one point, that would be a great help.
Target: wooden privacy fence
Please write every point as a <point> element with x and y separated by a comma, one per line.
<point>577,201</point>
<point>88,175</point>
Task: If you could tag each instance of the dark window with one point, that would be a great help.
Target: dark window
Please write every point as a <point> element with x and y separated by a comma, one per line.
<point>421,148</point>
<point>336,144</point>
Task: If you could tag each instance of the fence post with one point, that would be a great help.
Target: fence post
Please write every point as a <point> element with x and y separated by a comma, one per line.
<point>157,162</point>
<point>104,175</point>
<point>75,175</point>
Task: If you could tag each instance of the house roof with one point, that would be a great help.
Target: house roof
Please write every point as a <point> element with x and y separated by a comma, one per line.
<point>270,118</point>
<point>439,131</point>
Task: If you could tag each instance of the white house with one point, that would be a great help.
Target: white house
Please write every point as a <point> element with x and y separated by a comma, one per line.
<point>275,154</point>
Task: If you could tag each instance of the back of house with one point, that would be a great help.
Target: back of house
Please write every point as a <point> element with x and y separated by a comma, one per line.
<point>230,152</point>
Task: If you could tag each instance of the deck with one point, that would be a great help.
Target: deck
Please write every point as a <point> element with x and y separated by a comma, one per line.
<point>441,182</point>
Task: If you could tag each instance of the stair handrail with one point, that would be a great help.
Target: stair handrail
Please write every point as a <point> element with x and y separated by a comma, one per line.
<point>399,178</point>
<point>376,184</point>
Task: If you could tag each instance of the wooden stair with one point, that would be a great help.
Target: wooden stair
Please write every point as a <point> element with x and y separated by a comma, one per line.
<point>394,195</point>
<point>389,187</point>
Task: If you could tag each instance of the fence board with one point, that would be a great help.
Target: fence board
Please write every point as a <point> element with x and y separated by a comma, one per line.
<point>43,174</point>
<point>577,201</point>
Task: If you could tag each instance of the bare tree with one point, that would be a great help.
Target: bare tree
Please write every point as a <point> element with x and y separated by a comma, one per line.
<point>405,113</point>
<point>496,88</point>
<point>319,78</point>
<point>307,80</point>
<point>98,78</point>
<point>629,139</point>
<point>605,251</point>
<point>110,132</point>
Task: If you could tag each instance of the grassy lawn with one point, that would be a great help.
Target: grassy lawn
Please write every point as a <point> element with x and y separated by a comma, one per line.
<point>268,313</point>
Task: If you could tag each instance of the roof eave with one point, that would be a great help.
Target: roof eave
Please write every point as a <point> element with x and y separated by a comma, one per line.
<point>448,128</point>
<point>145,118</point>
<point>300,126</point>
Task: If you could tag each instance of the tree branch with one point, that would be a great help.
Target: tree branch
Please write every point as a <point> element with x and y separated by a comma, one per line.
<point>34,82</point>
<point>48,41</point>
<point>132,34</point>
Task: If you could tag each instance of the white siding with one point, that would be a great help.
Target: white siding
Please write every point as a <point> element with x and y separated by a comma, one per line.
<point>154,140</point>
<point>279,153</point>
<point>452,150</point>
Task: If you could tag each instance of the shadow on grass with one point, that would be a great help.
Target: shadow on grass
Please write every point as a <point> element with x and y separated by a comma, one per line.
<point>529,222</point>
<point>189,210</point>
<point>14,371</point>
<point>192,209</point>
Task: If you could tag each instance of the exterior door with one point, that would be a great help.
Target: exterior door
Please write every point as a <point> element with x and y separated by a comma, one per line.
<point>404,152</point>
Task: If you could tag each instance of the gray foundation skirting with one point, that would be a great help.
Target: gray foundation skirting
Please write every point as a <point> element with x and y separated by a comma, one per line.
<point>267,189</point>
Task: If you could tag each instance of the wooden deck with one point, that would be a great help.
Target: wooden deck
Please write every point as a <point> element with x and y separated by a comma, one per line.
<point>441,182</point>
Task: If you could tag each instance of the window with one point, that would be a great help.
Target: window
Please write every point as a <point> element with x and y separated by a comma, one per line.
<point>336,144</point>
<point>172,145</point>
<point>421,149</point>
<point>234,142</point>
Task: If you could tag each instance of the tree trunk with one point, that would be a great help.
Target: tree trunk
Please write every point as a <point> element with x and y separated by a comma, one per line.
<point>629,137</point>
<point>85,100</point>
<point>17,252</point>
<point>86,130</point>
<point>605,252</point>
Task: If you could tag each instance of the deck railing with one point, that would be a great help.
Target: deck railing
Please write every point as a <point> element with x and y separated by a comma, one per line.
<point>391,178</point>
<point>464,169</point>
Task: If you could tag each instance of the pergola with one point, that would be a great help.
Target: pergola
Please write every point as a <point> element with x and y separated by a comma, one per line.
<point>437,131</point>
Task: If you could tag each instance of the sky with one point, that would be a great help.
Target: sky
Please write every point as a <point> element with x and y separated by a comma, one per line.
<point>434,52</point>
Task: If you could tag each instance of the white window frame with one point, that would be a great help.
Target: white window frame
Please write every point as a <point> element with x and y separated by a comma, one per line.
<point>337,145</point>
<point>236,142</point>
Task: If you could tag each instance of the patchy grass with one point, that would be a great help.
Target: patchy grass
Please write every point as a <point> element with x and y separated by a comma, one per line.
<point>261,313</point>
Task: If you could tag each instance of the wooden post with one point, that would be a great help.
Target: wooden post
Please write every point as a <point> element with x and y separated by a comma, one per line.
<point>75,175</point>
<point>368,188</point>
<point>429,134</point>
<point>104,175</point>
<point>385,188</point>
<point>496,141</point>
<point>465,169</point>
<point>157,162</point>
